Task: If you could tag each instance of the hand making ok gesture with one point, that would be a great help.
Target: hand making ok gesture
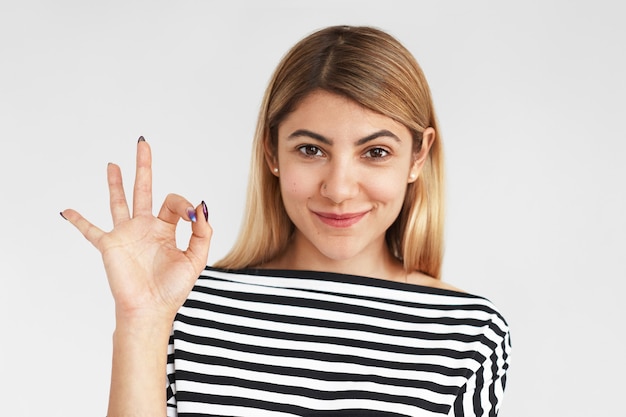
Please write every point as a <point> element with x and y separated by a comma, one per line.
<point>147,273</point>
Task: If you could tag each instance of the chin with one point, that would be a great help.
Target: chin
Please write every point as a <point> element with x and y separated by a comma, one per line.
<point>339,253</point>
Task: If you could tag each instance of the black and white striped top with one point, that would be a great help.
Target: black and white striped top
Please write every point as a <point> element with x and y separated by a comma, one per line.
<point>293,343</point>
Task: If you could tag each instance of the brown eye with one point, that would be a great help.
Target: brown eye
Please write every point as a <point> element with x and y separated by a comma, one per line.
<point>376,153</point>
<point>310,150</point>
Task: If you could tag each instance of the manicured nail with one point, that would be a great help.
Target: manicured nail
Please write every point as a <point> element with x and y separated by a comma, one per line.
<point>205,211</point>
<point>141,139</point>
<point>192,214</point>
<point>61,213</point>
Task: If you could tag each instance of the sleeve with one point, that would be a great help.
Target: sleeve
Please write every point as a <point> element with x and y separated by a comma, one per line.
<point>172,410</point>
<point>483,393</point>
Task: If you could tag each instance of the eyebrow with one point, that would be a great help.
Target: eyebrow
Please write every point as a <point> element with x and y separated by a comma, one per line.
<point>307,133</point>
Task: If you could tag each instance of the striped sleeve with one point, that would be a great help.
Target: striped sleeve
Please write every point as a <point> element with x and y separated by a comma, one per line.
<point>171,380</point>
<point>483,392</point>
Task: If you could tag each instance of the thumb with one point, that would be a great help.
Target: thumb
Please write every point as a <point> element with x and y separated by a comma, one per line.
<point>200,240</point>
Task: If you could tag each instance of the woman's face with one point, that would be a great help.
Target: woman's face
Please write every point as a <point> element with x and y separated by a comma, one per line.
<point>343,172</point>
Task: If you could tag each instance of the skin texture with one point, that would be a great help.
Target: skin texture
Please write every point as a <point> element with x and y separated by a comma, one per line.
<point>343,173</point>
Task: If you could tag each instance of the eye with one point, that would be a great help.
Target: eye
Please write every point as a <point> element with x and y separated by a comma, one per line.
<point>377,153</point>
<point>310,150</point>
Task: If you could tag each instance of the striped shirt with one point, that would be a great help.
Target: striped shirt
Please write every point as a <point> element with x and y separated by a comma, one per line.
<point>299,343</point>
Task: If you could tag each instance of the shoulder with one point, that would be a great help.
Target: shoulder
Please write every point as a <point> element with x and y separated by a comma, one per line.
<point>481,307</point>
<point>419,278</point>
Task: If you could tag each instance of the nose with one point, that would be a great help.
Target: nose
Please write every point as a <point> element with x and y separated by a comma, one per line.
<point>340,182</point>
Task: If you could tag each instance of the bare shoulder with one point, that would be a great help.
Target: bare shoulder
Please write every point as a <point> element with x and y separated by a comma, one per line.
<point>419,278</point>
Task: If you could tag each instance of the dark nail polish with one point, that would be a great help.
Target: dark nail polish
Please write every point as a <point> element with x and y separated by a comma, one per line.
<point>192,214</point>
<point>61,213</point>
<point>205,211</point>
<point>141,139</point>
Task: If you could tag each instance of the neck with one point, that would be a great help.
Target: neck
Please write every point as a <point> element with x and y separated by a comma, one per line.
<point>376,261</point>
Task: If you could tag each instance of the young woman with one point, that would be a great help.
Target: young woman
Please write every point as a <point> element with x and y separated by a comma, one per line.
<point>330,303</point>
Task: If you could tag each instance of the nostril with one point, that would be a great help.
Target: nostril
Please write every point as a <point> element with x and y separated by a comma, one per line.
<point>339,189</point>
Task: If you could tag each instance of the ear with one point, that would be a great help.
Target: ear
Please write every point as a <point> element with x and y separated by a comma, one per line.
<point>419,158</point>
<point>270,156</point>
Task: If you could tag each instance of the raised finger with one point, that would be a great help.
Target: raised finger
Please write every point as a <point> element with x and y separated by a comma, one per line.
<point>176,207</point>
<point>142,192</point>
<point>92,233</point>
<point>117,197</point>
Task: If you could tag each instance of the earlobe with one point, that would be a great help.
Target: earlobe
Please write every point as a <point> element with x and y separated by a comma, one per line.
<point>270,159</point>
<point>273,168</point>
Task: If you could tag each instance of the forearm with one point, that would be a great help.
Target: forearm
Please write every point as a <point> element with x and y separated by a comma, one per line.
<point>139,368</point>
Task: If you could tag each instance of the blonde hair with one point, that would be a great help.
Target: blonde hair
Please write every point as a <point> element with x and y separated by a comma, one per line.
<point>372,68</point>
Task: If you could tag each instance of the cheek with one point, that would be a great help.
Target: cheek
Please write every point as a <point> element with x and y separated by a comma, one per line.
<point>295,186</point>
<point>386,188</point>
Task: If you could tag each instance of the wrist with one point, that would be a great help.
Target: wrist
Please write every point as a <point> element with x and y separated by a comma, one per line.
<point>151,331</point>
<point>143,318</point>
<point>139,365</point>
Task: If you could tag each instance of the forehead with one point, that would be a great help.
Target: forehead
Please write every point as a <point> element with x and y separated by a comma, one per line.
<point>337,116</point>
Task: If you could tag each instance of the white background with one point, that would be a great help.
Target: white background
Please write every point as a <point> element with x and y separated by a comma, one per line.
<point>530,96</point>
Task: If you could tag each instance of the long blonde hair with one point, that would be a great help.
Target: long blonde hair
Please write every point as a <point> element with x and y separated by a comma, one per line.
<point>372,68</point>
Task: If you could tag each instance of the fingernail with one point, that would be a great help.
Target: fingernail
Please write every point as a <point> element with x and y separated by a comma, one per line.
<point>141,139</point>
<point>61,213</point>
<point>192,214</point>
<point>205,211</point>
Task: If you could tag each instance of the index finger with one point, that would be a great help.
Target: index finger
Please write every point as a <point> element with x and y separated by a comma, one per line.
<point>142,192</point>
<point>92,233</point>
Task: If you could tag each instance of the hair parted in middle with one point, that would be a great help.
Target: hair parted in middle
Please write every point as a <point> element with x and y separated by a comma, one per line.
<point>372,68</point>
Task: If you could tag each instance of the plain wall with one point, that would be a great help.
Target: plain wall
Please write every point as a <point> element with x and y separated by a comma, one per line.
<point>530,97</point>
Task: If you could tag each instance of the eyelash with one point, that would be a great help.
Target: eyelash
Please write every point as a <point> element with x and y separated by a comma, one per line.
<point>303,149</point>
<point>385,156</point>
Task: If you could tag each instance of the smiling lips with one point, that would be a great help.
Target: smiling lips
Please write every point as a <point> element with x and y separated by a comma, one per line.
<point>340,220</point>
